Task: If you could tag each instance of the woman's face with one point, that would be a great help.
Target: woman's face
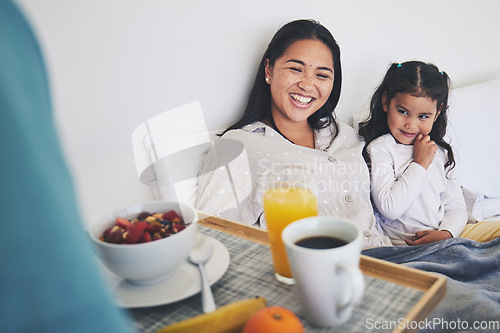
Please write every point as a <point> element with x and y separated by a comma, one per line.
<point>301,80</point>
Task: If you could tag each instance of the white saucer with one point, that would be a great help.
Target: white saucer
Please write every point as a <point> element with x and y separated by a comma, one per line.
<point>183,284</point>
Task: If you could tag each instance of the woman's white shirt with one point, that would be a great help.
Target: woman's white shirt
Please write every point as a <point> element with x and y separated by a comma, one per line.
<point>228,185</point>
<point>410,198</point>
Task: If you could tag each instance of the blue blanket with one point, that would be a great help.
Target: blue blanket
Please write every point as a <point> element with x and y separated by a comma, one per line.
<point>472,302</point>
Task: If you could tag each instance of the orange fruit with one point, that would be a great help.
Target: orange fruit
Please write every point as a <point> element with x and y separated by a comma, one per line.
<point>275,319</point>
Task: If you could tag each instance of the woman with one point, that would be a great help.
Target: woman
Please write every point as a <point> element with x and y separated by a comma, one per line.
<point>289,120</point>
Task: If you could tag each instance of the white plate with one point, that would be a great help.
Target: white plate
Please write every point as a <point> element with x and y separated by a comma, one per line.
<point>183,284</point>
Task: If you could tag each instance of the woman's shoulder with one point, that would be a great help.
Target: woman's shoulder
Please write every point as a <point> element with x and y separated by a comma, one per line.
<point>339,139</point>
<point>345,132</point>
<point>345,128</point>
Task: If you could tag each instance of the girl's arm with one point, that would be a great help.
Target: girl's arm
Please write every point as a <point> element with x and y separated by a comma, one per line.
<point>429,236</point>
<point>455,215</point>
<point>393,195</point>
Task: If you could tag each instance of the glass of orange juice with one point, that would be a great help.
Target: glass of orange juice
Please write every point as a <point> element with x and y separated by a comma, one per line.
<point>289,196</point>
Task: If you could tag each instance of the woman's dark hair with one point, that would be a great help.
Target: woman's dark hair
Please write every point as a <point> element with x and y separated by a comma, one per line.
<point>420,80</point>
<point>259,101</point>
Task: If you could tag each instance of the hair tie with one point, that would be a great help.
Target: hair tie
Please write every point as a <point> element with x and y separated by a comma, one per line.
<point>399,65</point>
<point>442,73</point>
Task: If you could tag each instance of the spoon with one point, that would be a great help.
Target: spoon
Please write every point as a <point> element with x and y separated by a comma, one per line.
<point>201,252</point>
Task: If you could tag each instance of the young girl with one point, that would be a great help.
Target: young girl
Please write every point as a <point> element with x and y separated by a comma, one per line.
<point>413,183</point>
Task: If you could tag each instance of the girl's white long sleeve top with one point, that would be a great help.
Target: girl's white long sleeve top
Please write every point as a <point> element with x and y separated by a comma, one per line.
<point>408,198</point>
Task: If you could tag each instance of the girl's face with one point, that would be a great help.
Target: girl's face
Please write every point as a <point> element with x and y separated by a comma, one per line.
<point>301,80</point>
<point>408,116</point>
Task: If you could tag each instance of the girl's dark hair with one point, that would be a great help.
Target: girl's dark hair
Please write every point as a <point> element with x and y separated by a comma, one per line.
<point>418,79</point>
<point>259,101</point>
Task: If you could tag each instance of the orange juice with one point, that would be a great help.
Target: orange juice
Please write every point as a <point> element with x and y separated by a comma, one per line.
<point>283,206</point>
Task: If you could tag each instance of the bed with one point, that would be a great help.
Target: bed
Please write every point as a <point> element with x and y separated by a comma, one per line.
<point>472,269</point>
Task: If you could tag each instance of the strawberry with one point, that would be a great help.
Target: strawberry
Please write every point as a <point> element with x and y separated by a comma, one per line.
<point>171,216</point>
<point>152,227</point>
<point>146,237</point>
<point>136,232</point>
<point>124,223</point>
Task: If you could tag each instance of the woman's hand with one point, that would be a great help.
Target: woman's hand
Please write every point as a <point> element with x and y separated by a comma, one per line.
<point>429,236</point>
<point>424,150</point>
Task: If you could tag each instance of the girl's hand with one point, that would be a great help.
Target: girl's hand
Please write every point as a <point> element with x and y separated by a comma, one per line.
<point>429,236</point>
<point>424,150</point>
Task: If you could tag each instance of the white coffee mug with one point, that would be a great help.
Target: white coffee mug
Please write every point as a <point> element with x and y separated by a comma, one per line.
<point>328,280</point>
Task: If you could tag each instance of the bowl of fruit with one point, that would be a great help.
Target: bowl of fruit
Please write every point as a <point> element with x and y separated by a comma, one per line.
<point>146,243</point>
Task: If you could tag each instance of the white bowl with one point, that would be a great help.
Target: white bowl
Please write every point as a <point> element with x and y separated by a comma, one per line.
<point>146,263</point>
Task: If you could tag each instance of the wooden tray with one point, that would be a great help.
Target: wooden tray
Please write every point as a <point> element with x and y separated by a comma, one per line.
<point>432,285</point>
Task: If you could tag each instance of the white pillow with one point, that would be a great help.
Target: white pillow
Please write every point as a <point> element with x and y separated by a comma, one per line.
<point>359,117</point>
<point>473,118</point>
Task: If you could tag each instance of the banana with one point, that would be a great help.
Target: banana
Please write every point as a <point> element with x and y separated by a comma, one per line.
<point>230,318</point>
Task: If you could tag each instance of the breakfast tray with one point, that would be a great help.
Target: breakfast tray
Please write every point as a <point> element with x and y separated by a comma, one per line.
<point>396,297</point>
<point>431,286</point>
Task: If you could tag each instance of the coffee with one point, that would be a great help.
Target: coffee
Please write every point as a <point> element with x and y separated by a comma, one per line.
<point>321,242</point>
<point>320,266</point>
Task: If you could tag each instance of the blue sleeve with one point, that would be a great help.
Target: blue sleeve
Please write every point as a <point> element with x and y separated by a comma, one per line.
<point>49,279</point>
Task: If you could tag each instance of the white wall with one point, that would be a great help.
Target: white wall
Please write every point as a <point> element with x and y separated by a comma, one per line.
<point>115,63</point>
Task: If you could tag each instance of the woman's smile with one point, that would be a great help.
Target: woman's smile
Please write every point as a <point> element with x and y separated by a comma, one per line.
<point>301,101</point>
<point>301,81</point>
